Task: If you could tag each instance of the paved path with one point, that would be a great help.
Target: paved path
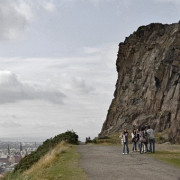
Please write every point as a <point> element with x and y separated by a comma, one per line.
<point>108,163</point>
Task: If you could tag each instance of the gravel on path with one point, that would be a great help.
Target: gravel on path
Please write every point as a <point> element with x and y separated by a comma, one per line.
<point>108,163</point>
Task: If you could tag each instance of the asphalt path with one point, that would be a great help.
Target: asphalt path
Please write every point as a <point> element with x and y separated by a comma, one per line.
<point>108,163</point>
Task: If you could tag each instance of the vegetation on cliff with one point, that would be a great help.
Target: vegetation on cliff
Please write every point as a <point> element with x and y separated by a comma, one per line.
<point>47,145</point>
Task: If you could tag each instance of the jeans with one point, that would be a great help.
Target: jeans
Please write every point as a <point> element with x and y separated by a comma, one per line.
<point>140,147</point>
<point>152,145</point>
<point>127,148</point>
<point>134,146</point>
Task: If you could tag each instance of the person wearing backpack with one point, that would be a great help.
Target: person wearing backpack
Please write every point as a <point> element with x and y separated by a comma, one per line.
<point>134,140</point>
<point>142,140</point>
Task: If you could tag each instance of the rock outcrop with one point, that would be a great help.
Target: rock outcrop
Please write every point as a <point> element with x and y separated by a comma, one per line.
<point>148,86</point>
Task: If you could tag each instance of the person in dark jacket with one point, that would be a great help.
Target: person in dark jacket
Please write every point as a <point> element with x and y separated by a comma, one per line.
<point>138,142</point>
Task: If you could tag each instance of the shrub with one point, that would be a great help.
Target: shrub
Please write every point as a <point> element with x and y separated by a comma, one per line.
<point>95,141</point>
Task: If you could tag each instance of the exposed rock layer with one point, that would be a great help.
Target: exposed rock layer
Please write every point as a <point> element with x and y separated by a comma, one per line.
<point>148,85</point>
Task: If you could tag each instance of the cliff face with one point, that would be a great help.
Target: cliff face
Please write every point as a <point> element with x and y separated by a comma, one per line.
<point>148,86</point>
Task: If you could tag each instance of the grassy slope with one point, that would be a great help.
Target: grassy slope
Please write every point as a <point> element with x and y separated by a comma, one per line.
<point>170,157</point>
<point>60,163</point>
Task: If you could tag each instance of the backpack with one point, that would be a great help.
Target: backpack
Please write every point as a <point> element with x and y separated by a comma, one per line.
<point>135,138</point>
<point>142,137</point>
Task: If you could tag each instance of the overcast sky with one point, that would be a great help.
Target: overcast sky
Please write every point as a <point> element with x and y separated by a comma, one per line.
<point>57,61</point>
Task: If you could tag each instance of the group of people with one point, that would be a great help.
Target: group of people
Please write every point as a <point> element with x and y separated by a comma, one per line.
<point>142,137</point>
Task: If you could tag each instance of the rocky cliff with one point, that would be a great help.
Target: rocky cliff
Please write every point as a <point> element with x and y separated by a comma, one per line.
<point>148,85</point>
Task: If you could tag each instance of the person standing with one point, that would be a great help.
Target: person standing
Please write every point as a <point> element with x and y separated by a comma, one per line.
<point>138,142</point>
<point>134,140</point>
<point>124,138</point>
<point>151,139</point>
<point>146,142</point>
<point>142,140</point>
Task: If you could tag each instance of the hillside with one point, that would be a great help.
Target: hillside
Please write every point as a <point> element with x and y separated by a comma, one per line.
<point>148,85</point>
<point>54,159</point>
<point>59,163</point>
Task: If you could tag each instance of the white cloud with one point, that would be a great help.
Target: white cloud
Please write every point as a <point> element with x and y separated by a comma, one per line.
<point>13,90</point>
<point>96,3</point>
<point>172,1</point>
<point>10,124</point>
<point>8,79</point>
<point>73,84</point>
<point>107,53</point>
<point>14,19</point>
<point>80,84</point>
<point>16,15</point>
<point>91,50</point>
<point>48,6</point>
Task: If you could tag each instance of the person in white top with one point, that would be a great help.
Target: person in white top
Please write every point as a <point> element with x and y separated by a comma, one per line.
<point>134,140</point>
<point>151,139</point>
<point>124,139</point>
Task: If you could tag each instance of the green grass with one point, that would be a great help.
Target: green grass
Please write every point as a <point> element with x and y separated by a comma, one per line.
<point>161,137</point>
<point>66,167</point>
<point>113,139</point>
<point>62,163</point>
<point>168,157</point>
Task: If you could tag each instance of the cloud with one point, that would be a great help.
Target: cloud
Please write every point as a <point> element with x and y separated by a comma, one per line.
<point>107,53</point>
<point>91,50</point>
<point>80,84</point>
<point>14,18</point>
<point>173,1</point>
<point>13,90</point>
<point>10,124</point>
<point>96,3</point>
<point>74,84</point>
<point>16,15</point>
<point>47,6</point>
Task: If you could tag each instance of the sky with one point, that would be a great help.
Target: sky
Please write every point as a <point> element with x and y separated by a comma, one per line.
<point>57,61</point>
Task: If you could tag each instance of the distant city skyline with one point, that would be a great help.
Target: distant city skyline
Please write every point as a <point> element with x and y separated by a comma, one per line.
<point>12,152</point>
<point>58,59</point>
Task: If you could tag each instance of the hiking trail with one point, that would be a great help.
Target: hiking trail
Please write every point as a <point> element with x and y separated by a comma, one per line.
<point>108,163</point>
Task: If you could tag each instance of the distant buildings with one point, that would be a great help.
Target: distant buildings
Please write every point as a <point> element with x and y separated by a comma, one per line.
<point>9,157</point>
<point>4,158</point>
